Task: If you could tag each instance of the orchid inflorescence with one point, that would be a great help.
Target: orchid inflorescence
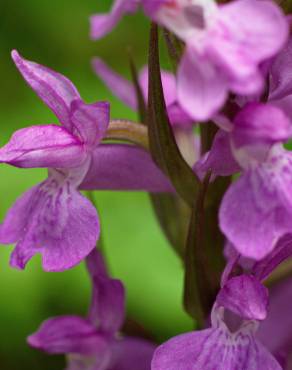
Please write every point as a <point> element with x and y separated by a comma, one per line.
<point>210,150</point>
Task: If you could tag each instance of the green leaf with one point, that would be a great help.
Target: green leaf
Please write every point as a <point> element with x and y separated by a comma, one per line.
<point>198,289</point>
<point>166,206</point>
<point>162,142</point>
<point>175,47</point>
<point>173,215</point>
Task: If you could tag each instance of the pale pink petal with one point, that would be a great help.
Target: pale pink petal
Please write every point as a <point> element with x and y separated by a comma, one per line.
<point>102,24</point>
<point>201,89</point>
<point>240,45</point>
<point>168,84</point>
<point>119,86</point>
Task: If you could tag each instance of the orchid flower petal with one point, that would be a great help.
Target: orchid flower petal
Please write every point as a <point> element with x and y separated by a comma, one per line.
<point>245,296</point>
<point>219,160</point>
<point>178,117</point>
<point>201,89</point>
<point>131,354</point>
<point>119,86</point>
<point>107,307</point>
<point>278,322</point>
<point>260,123</point>
<point>16,218</point>
<point>240,45</point>
<point>214,349</point>
<point>68,334</point>
<point>55,221</point>
<point>90,121</point>
<point>261,269</point>
<point>266,216</point>
<point>95,264</point>
<point>281,75</point>
<point>189,20</point>
<point>168,84</point>
<point>102,24</point>
<point>56,91</point>
<point>251,85</point>
<point>284,104</point>
<point>283,250</point>
<point>43,146</point>
<point>108,304</point>
<point>124,167</point>
<point>98,361</point>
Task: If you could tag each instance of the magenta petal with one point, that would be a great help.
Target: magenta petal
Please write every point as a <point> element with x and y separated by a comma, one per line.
<point>283,250</point>
<point>201,89</point>
<point>16,218</point>
<point>219,159</point>
<point>261,269</point>
<point>90,121</point>
<point>43,146</point>
<point>68,334</point>
<point>183,351</point>
<point>56,221</point>
<point>108,304</point>
<point>102,24</point>
<point>107,307</point>
<point>255,211</point>
<point>281,74</point>
<point>98,361</point>
<point>275,331</point>
<point>245,296</point>
<point>119,86</point>
<point>95,264</point>
<point>54,89</point>
<point>178,117</point>
<point>251,85</point>
<point>214,349</point>
<point>131,354</point>
<point>260,123</point>
<point>124,167</point>
<point>284,104</point>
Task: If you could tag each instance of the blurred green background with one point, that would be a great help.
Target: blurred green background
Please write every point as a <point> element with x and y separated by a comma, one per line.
<point>55,33</point>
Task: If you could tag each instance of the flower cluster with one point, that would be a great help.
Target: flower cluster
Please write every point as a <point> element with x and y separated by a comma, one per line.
<point>229,188</point>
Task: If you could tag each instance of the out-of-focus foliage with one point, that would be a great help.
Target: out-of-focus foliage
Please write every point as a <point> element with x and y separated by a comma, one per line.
<point>55,33</point>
